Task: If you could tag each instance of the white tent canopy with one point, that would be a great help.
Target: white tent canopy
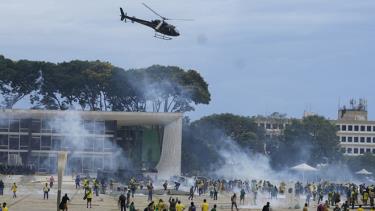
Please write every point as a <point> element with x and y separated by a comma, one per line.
<point>303,168</point>
<point>363,172</point>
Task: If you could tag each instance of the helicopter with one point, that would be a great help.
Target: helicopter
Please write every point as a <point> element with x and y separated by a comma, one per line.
<point>163,30</point>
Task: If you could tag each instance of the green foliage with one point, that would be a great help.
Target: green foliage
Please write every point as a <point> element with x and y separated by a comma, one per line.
<point>202,139</point>
<point>312,140</point>
<point>357,163</point>
<point>96,85</point>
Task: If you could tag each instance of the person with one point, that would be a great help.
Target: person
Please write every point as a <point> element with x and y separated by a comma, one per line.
<point>122,202</point>
<point>360,208</point>
<point>132,207</point>
<point>165,185</point>
<point>214,208</point>
<point>234,201</point>
<point>266,207</point>
<point>161,205</point>
<point>45,191</point>
<point>89,196</point>
<point>242,196</point>
<point>306,207</point>
<point>150,188</point>
<point>4,207</point>
<point>191,193</point>
<point>96,187</point>
<point>337,208</point>
<point>215,193</point>
<point>51,181</point>
<point>14,190</point>
<point>320,207</point>
<point>78,180</point>
<point>172,204</point>
<point>192,207</point>
<point>345,206</point>
<point>128,198</point>
<point>205,205</point>
<point>64,203</point>
<point>180,206</point>
<point>151,206</point>
<point>1,187</point>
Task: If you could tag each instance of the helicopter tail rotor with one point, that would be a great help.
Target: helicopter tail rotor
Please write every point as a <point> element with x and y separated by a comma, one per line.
<point>123,15</point>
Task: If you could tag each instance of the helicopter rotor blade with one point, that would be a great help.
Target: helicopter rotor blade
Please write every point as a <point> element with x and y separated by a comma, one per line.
<point>164,18</point>
<point>178,19</point>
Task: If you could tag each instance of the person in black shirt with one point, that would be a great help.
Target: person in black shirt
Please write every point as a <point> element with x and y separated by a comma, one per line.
<point>64,203</point>
<point>266,207</point>
<point>122,202</point>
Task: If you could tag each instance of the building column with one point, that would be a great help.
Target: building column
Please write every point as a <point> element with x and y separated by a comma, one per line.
<point>170,158</point>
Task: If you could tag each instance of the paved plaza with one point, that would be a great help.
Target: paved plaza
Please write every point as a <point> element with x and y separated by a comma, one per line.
<point>30,197</point>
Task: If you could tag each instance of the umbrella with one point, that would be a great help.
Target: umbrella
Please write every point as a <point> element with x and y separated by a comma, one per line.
<point>303,168</point>
<point>363,172</point>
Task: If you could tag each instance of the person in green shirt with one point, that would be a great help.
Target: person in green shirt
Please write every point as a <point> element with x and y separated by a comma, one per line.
<point>214,208</point>
<point>132,207</point>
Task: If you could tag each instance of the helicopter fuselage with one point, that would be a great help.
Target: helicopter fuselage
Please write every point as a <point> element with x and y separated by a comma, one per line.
<point>158,25</point>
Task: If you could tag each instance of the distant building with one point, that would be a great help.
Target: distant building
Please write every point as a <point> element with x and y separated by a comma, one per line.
<point>28,138</point>
<point>356,133</point>
<point>274,124</point>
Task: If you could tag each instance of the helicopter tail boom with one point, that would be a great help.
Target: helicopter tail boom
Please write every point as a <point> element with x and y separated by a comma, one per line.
<point>123,15</point>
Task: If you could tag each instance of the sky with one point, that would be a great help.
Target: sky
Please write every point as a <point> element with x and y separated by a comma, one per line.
<point>258,56</point>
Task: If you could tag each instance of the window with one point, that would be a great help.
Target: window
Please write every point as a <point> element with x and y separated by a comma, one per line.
<point>373,128</point>
<point>368,150</point>
<point>373,139</point>
<point>281,126</point>
<point>89,126</point>
<point>349,150</point>
<point>350,127</point>
<point>363,128</point>
<point>356,128</point>
<point>14,142</point>
<point>100,127</point>
<point>3,141</point>
<point>274,126</point>
<point>355,139</point>
<point>343,127</point>
<point>343,150</point>
<point>56,143</point>
<point>45,144</point>
<point>350,139</point>
<point>4,124</point>
<point>373,150</point>
<point>24,142</point>
<point>261,125</point>
<point>362,139</point>
<point>35,143</point>
<point>343,138</point>
<point>268,126</point>
<point>14,126</point>
<point>361,151</point>
<point>35,126</point>
<point>355,150</point>
<point>368,128</point>
<point>368,139</point>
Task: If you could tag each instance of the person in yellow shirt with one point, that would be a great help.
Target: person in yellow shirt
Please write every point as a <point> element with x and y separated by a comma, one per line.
<point>161,205</point>
<point>14,190</point>
<point>89,196</point>
<point>360,208</point>
<point>372,209</point>
<point>179,206</point>
<point>205,205</point>
<point>4,207</point>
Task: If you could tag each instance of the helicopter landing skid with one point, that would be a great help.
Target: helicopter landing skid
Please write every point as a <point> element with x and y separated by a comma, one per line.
<point>162,36</point>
